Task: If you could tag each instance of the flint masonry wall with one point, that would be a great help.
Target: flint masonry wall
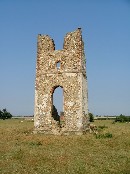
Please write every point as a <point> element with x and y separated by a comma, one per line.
<point>71,76</point>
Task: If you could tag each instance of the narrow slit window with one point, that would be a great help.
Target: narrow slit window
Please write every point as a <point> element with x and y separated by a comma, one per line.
<point>58,64</point>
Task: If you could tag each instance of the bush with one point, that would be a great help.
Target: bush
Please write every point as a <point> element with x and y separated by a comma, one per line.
<point>5,115</point>
<point>91,117</point>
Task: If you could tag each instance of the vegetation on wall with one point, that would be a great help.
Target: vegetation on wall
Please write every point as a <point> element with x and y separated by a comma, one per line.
<point>4,114</point>
<point>55,114</point>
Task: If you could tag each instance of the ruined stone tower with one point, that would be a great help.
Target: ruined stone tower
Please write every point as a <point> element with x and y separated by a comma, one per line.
<point>70,75</point>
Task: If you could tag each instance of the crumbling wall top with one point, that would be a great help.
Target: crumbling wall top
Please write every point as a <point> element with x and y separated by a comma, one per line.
<point>45,43</point>
<point>73,40</point>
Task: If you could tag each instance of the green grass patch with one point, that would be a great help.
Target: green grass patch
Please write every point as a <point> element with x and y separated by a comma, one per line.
<point>102,126</point>
<point>22,152</point>
<point>106,135</point>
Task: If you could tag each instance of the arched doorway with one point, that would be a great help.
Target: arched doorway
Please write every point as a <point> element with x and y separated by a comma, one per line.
<point>57,103</point>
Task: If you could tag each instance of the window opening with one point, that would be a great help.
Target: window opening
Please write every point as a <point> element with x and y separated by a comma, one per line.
<point>58,64</point>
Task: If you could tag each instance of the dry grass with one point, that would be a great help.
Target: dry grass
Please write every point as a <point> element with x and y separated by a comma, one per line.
<point>22,152</point>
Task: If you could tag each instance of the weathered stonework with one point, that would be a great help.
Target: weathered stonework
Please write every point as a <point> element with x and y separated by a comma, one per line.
<point>71,76</point>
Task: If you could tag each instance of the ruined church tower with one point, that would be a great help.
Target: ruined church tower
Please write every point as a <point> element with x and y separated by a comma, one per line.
<point>70,74</point>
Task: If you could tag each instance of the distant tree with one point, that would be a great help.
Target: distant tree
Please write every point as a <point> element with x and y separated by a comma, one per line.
<point>1,114</point>
<point>55,114</point>
<point>4,114</point>
<point>91,117</point>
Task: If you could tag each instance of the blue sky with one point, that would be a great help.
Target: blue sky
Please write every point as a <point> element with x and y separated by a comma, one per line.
<point>106,32</point>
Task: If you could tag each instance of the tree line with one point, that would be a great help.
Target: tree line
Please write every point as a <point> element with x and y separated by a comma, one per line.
<point>122,118</point>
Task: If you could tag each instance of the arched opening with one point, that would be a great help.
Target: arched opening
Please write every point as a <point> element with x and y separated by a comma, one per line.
<point>57,103</point>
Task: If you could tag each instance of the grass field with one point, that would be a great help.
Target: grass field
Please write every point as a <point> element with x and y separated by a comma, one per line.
<point>22,152</point>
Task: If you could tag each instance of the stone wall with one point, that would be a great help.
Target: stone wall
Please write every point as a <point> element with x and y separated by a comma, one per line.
<point>71,76</point>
